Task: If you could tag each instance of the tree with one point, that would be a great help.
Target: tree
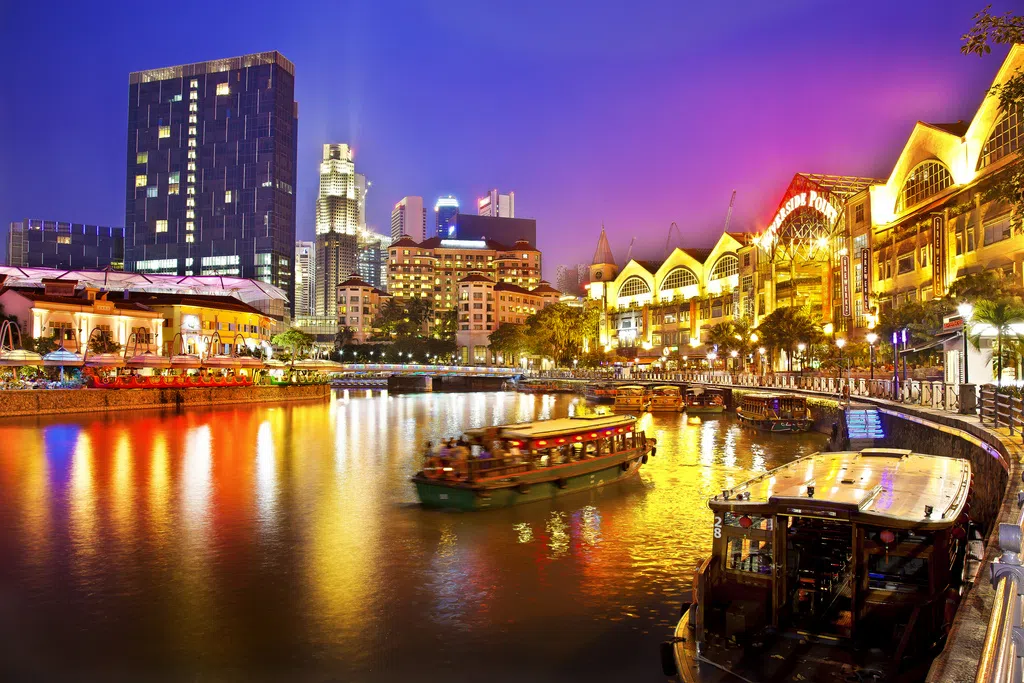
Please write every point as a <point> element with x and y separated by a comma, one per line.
<point>785,328</point>
<point>988,284</point>
<point>1002,29</point>
<point>511,341</point>
<point>294,339</point>
<point>449,326</point>
<point>344,337</point>
<point>561,332</point>
<point>43,345</point>
<point>999,316</point>
<point>103,343</point>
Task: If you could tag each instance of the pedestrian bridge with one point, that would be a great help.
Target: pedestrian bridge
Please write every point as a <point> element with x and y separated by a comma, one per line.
<point>423,369</point>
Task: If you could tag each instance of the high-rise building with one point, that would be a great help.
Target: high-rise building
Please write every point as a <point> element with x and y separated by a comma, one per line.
<point>494,204</point>
<point>373,258</point>
<point>305,275</point>
<point>340,208</point>
<point>504,230</point>
<point>211,169</point>
<point>446,210</point>
<point>34,243</point>
<point>409,217</point>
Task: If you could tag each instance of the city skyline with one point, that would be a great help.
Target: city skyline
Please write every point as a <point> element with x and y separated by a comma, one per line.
<point>647,107</point>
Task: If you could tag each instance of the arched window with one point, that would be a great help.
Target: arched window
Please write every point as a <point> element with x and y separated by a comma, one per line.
<point>726,266</point>
<point>1007,137</point>
<point>633,286</point>
<point>678,277</point>
<point>927,179</point>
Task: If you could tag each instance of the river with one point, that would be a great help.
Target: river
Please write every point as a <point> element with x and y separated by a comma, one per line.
<point>284,542</point>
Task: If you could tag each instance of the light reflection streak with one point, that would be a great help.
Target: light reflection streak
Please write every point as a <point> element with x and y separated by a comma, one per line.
<point>266,476</point>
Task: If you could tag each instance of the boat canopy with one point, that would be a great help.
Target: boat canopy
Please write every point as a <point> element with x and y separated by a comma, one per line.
<point>876,485</point>
<point>566,425</point>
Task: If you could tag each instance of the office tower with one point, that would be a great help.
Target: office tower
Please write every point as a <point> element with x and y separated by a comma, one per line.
<point>498,205</point>
<point>211,169</point>
<point>33,243</point>
<point>373,258</point>
<point>504,230</point>
<point>445,212</point>
<point>409,217</point>
<point>305,275</point>
<point>339,208</point>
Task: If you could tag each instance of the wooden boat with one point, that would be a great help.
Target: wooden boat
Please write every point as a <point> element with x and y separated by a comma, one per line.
<point>835,567</point>
<point>536,387</point>
<point>533,461</point>
<point>600,392</point>
<point>775,412</point>
<point>700,401</point>
<point>666,398</point>
<point>632,397</point>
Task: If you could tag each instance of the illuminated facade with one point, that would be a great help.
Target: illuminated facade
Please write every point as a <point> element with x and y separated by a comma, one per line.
<point>305,275</point>
<point>485,305</point>
<point>197,317</point>
<point>446,211</point>
<point>409,218</point>
<point>340,217</point>
<point>358,305</point>
<point>372,259</point>
<point>211,169</point>
<point>497,205</point>
<point>432,269</point>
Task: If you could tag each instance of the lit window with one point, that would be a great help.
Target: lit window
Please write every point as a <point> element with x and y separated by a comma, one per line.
<point>151,191</point>
<point>161,226</point>
<point>63,239</point>
<point>140,181</point>
<point>190,238</point>
<point>927,179</point>
<point>223,89</point>
<point>165,131</point>
<point>172,188</point>
<point>191,178</point>
<point>191,166</point>
<point>142,158</point>
<point>193,83</point>
<point>1007,137</point>
<point>193,95</point>
<point>192,118</point>
<point>190,214</point>
<point>191,142</point>
<point>227,197</point>
<point>193,107</point>
<point>190,226</point>
<point>191,154</point>
<point>174,177</point>
<point>176,98</point>
<point>726,266</point>
<point>192,130</point>
<point>192,190</point>
<point>190,202</point>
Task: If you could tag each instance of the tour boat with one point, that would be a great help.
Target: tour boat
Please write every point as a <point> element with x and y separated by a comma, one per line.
<point>632,397</point>
<point>521,463</point>
<point>841,566</point>
<point>536,387</point>
<point>700,401</point>
<point>600,392</point>
<point>775,412</point>
<point>666,398</point>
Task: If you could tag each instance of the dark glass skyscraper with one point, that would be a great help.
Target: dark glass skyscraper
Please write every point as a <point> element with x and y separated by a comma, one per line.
<point>35,243</point>
<point>211,169</point>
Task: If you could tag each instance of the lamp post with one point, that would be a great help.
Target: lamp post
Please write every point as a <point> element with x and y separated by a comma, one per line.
<point>801,347</point>
<point>872,338</point>
<point>760,352</point>
<point>840,343</point>
<point>965,310</point>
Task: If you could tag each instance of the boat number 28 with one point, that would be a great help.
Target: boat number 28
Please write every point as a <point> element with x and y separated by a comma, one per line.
<point>718,527</point>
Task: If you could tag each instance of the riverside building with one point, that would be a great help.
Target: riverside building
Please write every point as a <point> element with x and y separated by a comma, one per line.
<point>340,216</point>
<point>34,243</point>
<point>211,169</point>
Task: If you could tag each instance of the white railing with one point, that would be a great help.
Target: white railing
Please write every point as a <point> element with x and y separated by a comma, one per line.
<point>1003,650</point>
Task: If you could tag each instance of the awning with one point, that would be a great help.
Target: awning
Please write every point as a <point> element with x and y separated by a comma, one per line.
<point>939,340</point>
<point>969,270</point>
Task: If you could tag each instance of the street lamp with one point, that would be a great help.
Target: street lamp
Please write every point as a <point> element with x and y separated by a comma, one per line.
<point>872,338</point>
<point>801,347</point>
<point>966,311</point>
<point>840,343</point>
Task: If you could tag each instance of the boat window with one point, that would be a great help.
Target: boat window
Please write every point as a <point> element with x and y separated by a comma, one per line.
<point>897,573</point>
<point>898,536</point>
<point>749,555</point>
<point>756,521</point>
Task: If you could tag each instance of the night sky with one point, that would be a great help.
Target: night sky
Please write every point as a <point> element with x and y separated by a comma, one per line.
<point>632,114</point>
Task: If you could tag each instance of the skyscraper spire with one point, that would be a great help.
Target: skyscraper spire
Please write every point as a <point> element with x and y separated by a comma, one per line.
<point>603,254</point>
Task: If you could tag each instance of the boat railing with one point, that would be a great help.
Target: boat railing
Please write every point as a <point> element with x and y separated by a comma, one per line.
<point>1002,654</point>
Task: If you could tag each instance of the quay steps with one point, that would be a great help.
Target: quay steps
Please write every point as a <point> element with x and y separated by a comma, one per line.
<point>864,428</point>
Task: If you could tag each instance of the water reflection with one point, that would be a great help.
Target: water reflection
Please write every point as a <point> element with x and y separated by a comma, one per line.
<point>287,537</point>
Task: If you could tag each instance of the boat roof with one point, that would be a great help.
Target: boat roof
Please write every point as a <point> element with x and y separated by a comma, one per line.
<point>885,485</point>
<point>563,425</point>
<point>632,386</point>
<point>771,396</point>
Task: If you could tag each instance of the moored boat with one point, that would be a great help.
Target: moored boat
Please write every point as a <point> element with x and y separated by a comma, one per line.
<point>666,398</point>
<point>600,392</point>
<point>700,401</point>
<point>521,463</point>
<point>775,412</point>
<point>837,566</point>
<point>634,397</point>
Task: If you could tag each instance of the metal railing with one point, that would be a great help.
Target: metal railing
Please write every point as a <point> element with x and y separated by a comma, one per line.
<point>1003,650</point>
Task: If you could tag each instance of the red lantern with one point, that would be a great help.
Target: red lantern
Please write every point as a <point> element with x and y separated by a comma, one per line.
<point>746,522</point>
<point>887,537</point>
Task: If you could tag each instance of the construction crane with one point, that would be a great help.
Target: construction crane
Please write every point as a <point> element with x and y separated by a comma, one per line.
<point>668,239</point>
<point>728,214</point>
<point>629,254</point>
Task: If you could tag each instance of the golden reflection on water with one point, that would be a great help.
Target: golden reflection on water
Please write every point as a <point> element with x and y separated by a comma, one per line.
<point>249,531</point>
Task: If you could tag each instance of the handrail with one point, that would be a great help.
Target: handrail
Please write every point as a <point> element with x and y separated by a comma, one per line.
<point>1003,649</point>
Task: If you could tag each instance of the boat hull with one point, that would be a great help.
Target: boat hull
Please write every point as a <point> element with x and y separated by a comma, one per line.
<point>782,426</point>
<point>704,410</point>
<point>528,487</point>
<point>667,407</point>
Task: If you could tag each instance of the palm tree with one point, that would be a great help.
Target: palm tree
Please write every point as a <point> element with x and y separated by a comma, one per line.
<point>1001,316</point>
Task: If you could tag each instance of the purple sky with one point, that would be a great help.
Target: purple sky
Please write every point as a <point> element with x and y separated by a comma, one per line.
<point>634,114</point>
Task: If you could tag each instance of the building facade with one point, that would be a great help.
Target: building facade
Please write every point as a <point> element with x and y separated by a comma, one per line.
<point>484,305</point>
<point>432,269</point>
<point>340,216</point>
<point>34,243</point>
<point>497,205</point>
<point>504,230</point>
<point>409,218</point>
<point>211,169</point>
<point>446,210</point>
<point>207,323</point>
<point>305,276</point>
<point>372,260</point>
<point>358,305</point>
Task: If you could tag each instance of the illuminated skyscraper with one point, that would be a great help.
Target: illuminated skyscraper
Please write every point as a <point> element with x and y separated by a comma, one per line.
<point>497,205</point>
<point>445,212</point>
<point>373,258</point>
<point>211,169</point>
<point>339,212</point>
<point>409,217</point>
<point>305,275</point>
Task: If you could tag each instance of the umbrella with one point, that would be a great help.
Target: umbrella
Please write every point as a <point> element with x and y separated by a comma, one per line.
<point>20,357</point>
<point>61,357</point>
<point>149,360</point>
<point>185,360</point>
<point>220,361</point>
<point>105,360</point>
